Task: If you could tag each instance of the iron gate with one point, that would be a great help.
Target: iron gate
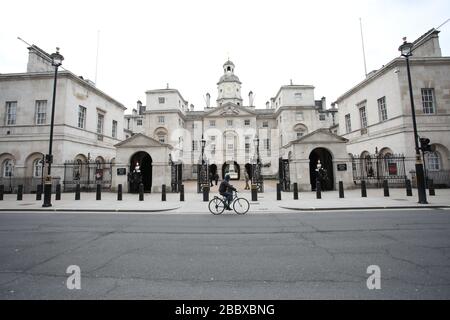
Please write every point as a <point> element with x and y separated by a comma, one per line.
<point>88,174</point>
<point>284,174</point>
<point>176,177</point>
<point>375,168</point>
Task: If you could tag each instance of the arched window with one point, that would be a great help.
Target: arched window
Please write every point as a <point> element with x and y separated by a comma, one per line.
<point>433,161</point>
<point>37,168</point>
<point>8,168</point>
<point>300,130</point>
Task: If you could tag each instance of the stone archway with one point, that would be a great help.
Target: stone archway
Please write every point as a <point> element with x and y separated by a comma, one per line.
<point>326,159</point>
<point>232,166</point>
<point>146,168</point>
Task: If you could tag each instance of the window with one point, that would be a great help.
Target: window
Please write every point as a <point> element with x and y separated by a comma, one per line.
<point>162,138</point>
<point>247,147</point>
<point>433,162</point>
<point>194,126</point>
<point>428,101</point>
<point>114,129</point>
<point>100,122</point>
<point>382,111</point>
<point>213,149</point>
<point>8,168</point>
<point>139,122</point>
<point>194,145</point>
<point>212,123</point>
<point>41,111</point>
<point>348,123</point>
<point>299,116</point>
<point>300,134</point>
<point>266,143</point>
<point>37,168</point>
<point>11,111</point>
<point>246,122</point>
<point>298,96</point>
<point>322,117</point>
<point>265,124</point>
<point>161,119</point>
<point>161,100</point>
<point>213,138</point>
<point>230,146</point>
<point>81,117</point>
<point>363,117</point>
<point>194,169</point>
<point>229,123</point>
<point>128,123</point>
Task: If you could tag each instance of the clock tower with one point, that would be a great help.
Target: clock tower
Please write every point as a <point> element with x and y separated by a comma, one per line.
<point>229,86</point>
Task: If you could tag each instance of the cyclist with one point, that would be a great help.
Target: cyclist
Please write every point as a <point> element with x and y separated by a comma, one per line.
<point>226,190</point>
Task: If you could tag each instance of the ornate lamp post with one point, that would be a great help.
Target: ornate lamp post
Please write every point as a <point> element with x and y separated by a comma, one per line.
<point>256,174</point>
<point>202,171</point>
<point>57,60</point>
<point>406,51</point>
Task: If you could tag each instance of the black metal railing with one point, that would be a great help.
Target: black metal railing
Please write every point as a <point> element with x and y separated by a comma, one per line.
<point>88,174</point>
<point>374,169</point>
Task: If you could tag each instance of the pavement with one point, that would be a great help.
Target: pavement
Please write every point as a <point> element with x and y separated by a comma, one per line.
<point>296,255</point>
<point>194,204</point>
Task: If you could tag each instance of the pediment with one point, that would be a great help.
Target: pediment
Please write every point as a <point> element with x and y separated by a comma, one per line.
<point>229,109</point>
<point>320,136</point>
<point>140,140</point>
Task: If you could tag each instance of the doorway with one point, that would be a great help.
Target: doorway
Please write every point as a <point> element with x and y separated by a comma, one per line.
<point>145,165</point>
<point>326,159</point>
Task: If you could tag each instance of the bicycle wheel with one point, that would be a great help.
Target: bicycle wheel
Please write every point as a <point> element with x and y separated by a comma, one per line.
<point>241,205</point>
<point>216,206</point>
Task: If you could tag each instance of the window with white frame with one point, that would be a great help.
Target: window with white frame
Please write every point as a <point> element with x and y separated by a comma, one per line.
<point>322,117</point>
<point>363,117</point>
<point>266,144</point>
<point>265,124</point>
<point>428,101</point>
<point>348,123</point>
<point>11,112</point>
<point>114,129</point>
<point>382,110</point>
<point>213,138</point>
<point>81,117</point>
<point>161,119</point>
<point>100,123</point>
<point>213,148</point>
<point>433,161</point>
<point>299,116</point>
<point>229,123</point>
<point>246,122</point>
<point>162,138</point>
<point>212,123</point>
<point>161,100</point>
<point>37,168</point>
<point>8,168</point>
<point>41,111</point>
<point>139,122</point>
<point>230,146</point>
<point>298,96</point>
<point>194,145</point>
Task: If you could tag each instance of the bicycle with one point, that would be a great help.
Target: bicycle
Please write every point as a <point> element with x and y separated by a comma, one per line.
<point>240,205</point>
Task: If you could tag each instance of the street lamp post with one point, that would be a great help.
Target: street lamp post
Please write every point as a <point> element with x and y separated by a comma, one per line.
<point>57,59</point>
<point>406,51</point>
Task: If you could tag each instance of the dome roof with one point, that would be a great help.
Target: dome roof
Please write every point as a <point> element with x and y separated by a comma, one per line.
<point>228,63</point>
<point>229,78</point>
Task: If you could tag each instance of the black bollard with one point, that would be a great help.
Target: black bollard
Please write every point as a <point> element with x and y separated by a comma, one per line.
<point>19,192</point>
<point>318,190</point>
<point>119,192</point>
<point>39,192</point>
<point>363,189</point>
<point>182,192</point>
<point>77,192</point>
<point>431,187</point>
<point>254,192</point>
<point>341,190</point>
<point>58,192</point>
<point>386,188</point>
<point>278,192</point>
<point>206,193</point>
<point>141,192</point>
<point>408,188</point>
<point>295,191</point>
<point>2,191</point>
<point>99,192</point>
<point>163,194</point>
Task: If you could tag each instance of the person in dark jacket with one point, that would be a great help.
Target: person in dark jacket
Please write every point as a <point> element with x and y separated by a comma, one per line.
<point>226,190</point>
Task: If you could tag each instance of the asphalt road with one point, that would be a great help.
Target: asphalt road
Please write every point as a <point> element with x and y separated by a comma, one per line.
<point>321,255</point>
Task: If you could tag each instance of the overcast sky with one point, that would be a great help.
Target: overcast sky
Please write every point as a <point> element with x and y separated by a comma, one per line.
<point>147,44</point>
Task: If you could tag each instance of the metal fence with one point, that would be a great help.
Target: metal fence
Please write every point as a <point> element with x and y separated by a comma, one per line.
<point>374,169</point>
<point>29,183</point>
<point>88,174</point>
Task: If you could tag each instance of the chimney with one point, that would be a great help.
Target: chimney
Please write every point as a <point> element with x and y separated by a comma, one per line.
<point>324,103</point>
<point>39,60</point>
<point>192,107</point>
<point>139,107</point>
<point>250,99</point>
<point>267,105</point>
<point>208,100</point>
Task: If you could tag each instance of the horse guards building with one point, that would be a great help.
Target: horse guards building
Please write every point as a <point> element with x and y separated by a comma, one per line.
<point>366,134</point>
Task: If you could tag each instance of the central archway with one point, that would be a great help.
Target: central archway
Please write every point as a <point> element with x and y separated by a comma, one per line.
<point>326,159</point>
<point>233,168</point>
<point>145,164</point>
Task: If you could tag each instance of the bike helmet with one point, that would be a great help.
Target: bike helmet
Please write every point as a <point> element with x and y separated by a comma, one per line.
<point>227,177</point>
